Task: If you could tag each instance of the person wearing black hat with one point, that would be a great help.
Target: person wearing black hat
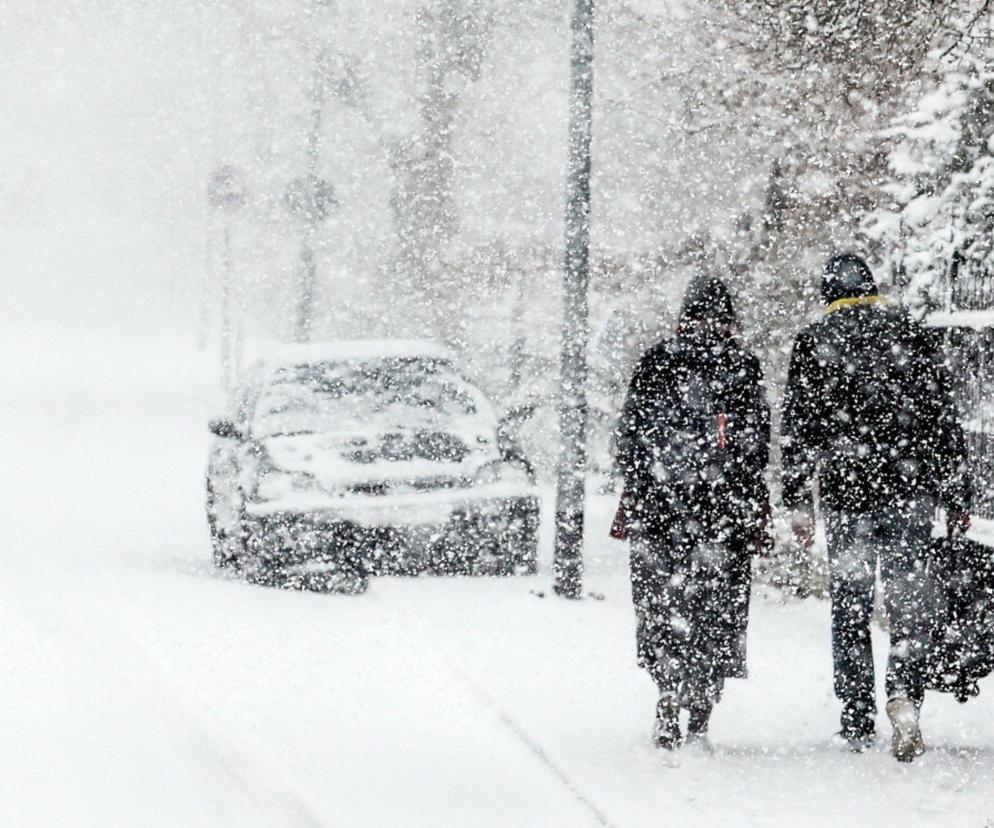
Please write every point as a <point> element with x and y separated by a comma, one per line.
<point>693,443</point>
<point>868,416</point>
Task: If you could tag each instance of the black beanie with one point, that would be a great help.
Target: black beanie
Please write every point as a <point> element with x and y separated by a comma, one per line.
<point>707,299</point>
<point>846,276</point>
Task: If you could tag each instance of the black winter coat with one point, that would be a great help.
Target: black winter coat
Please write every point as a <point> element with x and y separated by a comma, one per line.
<point>868,409</point>
<point>693,445</point>
<point>693,440</point>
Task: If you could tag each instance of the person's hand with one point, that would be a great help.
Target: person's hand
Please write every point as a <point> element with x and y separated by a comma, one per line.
<point>764,540</point>
<point>802,524</point>
<point>957,522</point>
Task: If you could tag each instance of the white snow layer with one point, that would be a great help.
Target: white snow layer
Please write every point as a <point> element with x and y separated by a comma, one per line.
<point>140,687</point>
<point>351,351</point>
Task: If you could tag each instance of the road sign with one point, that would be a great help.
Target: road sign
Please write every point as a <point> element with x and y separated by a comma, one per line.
<point>226,189</point>
<point>310,198</point>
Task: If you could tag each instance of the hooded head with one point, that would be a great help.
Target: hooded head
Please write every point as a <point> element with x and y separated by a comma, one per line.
<point>846,276</point>
<point>707,300</point>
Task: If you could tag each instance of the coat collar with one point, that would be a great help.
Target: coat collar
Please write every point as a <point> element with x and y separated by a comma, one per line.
<point>854,301</point>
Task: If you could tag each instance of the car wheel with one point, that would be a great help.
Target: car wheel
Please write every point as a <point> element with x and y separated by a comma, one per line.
<point>345,580</point>
<point>227,548</point>
<point>514,548</point>
<point>262,572</point>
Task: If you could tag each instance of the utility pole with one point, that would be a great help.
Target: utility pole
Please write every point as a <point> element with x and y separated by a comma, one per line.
<point>567,563</point>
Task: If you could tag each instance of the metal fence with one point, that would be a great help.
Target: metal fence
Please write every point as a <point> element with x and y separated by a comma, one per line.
<point>971,354</point>
<point>981,448</point>
<point>968,289</point>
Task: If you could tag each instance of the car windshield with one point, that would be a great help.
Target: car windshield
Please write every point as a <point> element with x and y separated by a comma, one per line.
<point>340,395</point>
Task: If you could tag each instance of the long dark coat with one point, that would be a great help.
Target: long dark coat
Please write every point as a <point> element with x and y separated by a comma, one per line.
<point>693,444</point>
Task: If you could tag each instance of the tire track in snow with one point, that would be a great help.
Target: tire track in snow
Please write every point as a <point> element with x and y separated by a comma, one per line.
<point>513,725</point>
<point>234,755</point>
<point>528,741</point>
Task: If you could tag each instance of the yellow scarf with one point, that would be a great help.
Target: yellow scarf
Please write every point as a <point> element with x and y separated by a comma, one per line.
<point>853,301</point>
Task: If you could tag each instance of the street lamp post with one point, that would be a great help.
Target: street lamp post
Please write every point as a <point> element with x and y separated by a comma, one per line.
<point>226,193</point>
<point>567,562</point>
<point>310,199</point>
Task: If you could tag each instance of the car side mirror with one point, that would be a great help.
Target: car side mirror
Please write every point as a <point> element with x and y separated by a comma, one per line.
<point>224,428</point>
<point>517,415</point>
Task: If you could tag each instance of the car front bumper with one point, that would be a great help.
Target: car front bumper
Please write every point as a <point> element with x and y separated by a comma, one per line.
<point>474,537</point>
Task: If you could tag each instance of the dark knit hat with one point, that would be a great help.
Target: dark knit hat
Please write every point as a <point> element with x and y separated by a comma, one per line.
<point>846,276</point>
<point>707,300</point>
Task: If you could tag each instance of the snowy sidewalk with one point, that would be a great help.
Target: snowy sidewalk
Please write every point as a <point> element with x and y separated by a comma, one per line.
<point>188,699</point>
<point>138,687</point>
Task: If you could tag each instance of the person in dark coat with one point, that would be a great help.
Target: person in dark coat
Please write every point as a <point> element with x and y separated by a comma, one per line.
<point>868,414</point>
<point>693,444</point>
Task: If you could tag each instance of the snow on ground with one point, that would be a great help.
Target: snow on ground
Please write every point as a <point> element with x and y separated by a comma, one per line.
<point>139,687</point>
<point>982,531</point>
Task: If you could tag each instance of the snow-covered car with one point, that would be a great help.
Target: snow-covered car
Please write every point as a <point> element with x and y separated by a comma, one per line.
<point>342,460</point>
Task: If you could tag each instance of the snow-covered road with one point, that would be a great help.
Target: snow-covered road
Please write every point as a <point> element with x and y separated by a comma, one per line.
<point>138,687</point>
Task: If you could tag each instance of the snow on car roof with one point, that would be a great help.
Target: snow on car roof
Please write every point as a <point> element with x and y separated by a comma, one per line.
<point>357,350</point>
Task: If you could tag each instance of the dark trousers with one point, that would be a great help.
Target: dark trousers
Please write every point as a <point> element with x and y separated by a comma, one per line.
<point>898,539</point>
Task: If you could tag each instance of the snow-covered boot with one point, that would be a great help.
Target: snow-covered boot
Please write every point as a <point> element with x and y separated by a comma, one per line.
<point>666,732</point>
<point>858,730</point>
<point>700,717</point>
<point>697,727</point>
<point>907,743</point>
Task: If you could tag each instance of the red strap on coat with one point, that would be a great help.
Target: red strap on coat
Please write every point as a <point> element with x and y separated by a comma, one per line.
<point>619,526</point>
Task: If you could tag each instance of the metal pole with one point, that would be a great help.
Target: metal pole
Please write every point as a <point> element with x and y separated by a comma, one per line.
<point>309,275</point>
<point>518,328</point>
<point>308,279</point>
<point>226,193</point>
<point>567,563</point>
<point>226,331</point>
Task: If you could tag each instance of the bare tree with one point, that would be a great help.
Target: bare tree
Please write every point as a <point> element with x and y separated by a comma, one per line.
<point>818,81</point>
<point>451,40</point>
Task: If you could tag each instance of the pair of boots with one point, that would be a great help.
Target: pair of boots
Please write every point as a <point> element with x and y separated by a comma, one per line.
<point>906,743</point>
<point>666,732</point>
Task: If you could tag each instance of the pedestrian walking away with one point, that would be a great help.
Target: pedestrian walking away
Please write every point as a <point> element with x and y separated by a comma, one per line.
<point>692,445</point>
<point>869,417</point>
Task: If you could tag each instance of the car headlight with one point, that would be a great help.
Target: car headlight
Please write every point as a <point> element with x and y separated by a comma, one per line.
<point>501,471</point>
<point>270,482</point>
